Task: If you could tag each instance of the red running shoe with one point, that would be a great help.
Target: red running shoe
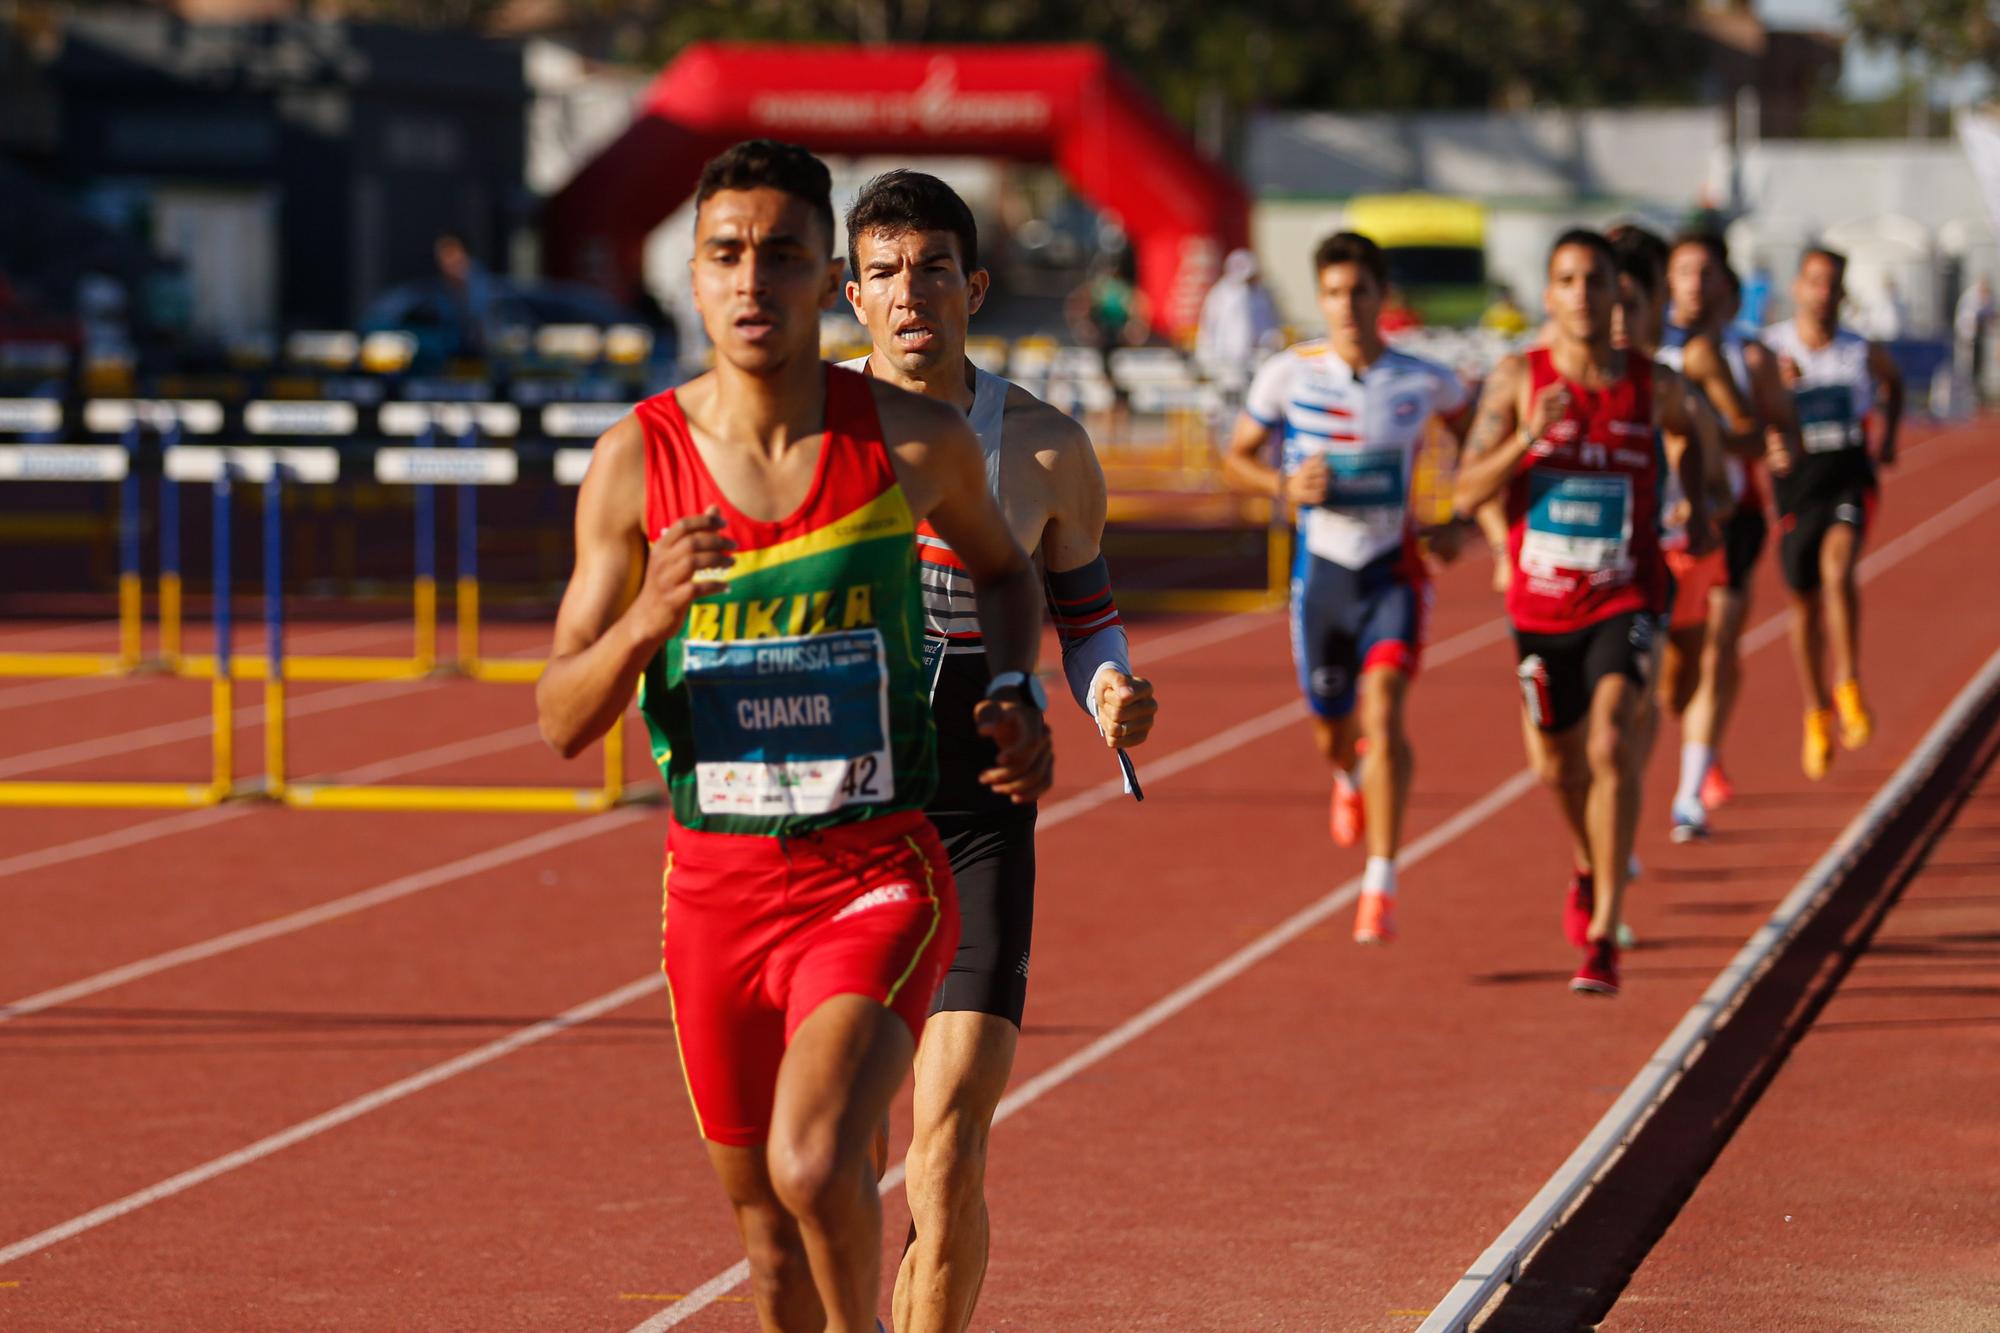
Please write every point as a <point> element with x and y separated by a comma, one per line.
<point>1349,816</point>
<point>1716,789</point>
<point>1599,973</point>
<point>1375,919</point>
<point>1579,907</point>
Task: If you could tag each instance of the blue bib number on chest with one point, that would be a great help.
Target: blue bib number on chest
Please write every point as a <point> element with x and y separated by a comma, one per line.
<point>1577,521</point>
<point>1366,479</point>
<point>791,725</point>
<point>1827,420</point>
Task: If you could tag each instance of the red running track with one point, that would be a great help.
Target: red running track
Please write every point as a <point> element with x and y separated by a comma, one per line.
<point>1323,1141</point>
<point>1863,1191</point>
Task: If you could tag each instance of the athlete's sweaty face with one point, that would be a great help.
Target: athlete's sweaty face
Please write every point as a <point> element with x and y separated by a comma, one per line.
<point>1819,289</point>
<point>762,276</point>
<point>1580,292</point>
<point>1694,282</point>
<point>1350,300</point>
<point>912,291</point>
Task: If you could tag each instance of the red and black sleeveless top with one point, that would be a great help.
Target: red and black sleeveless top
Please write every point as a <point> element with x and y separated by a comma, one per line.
<point>1583,514</point>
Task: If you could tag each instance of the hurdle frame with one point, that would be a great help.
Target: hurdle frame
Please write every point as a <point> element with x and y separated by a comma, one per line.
<point>273,468</point>
<point>25,462</point>
<point>322,418</point>
<point>221,785</point>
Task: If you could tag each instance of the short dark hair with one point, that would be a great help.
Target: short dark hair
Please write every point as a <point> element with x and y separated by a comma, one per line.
<point>1351,247</point>
<point>768,164</point>
<point>1641,253</point>
<point>1718,249</point>
<point>902,201</point>
<point>1732,280</point>
<point>1590,240</point>
<point>1834,257</point>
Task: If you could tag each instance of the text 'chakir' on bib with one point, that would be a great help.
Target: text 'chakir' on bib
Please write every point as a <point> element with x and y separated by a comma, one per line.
<point>790,726</point>
<point>794,700</point>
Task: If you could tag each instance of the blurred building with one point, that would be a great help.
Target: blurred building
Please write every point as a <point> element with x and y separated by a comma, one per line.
<point>289,170</point>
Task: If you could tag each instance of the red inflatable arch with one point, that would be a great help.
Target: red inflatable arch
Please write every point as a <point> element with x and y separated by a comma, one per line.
<point>1069,105</point>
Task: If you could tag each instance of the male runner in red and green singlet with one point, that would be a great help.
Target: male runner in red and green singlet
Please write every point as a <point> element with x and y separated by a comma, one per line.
<point>1566,433</point>
<point>810,909</point>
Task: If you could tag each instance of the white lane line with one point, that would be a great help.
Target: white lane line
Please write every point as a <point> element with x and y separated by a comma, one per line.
<point>1503,1259</point>
<point>197,728</point>
<point>1181,997</point>
<point>1161,1010</point>
<point>1027,1093</point>
<point>517,1040</point>
<point>1179,761</point>
<point>436,756</point>
<point>403,886</point>
<point>169,825</point>
<point>1896,552</point>
<point>55,691</point>
<point>1458,646</point>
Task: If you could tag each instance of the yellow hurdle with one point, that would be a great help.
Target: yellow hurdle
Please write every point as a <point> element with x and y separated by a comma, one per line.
<point>107,795</point>
<point>170,619</point>
<point>274,738</point>
<point>201,666</point>
<point>426,596</point>
<point>471,800</point>
<point>467,616</point>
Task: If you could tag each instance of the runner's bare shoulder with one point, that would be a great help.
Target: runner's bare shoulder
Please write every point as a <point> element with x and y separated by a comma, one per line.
<point>926,438</point>
<point>614,488</point>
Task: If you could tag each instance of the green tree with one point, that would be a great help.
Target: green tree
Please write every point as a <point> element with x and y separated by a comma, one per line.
<point>1951,34</point>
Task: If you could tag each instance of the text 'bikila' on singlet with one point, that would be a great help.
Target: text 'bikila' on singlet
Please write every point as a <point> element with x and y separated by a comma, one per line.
<point>795,700</point>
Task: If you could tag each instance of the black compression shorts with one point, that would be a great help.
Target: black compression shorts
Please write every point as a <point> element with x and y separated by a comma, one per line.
<point>1743,535</point>
<point>1803,531</point>
<point>993,860</point>
<point>1559,672</point>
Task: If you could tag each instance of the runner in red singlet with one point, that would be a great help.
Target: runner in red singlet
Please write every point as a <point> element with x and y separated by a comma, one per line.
<point>810,909</point>
<point>1567,434</point>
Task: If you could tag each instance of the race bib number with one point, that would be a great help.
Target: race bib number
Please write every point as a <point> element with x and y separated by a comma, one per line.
<point>1366,479</point>
<point>1827,421</point>
<point>790,726</point>
<point>1577,521</point>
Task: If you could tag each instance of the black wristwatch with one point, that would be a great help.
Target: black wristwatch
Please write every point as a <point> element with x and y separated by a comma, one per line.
<point>1029,686</point>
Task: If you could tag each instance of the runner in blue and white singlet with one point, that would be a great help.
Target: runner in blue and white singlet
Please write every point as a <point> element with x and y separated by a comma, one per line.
<point>1349,415</point>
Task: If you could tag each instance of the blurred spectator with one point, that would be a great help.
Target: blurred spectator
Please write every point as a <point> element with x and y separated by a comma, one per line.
<point>1889,315</point>
<point>1239,324</point>
<point>1969,326</point>
<point>1397,314</point>
<point>1757,296</point>
<point>1505,316</point>
<point>470,288</point>
<point>1106,311</point>
<point>104,307</point>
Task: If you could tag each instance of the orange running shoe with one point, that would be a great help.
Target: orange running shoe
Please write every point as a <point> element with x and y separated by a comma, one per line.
<point>1817,756</point>
<point>1375,919</point>
<point>1716,789</point>
<point>1349,816</point>
<point>1857,724</point>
